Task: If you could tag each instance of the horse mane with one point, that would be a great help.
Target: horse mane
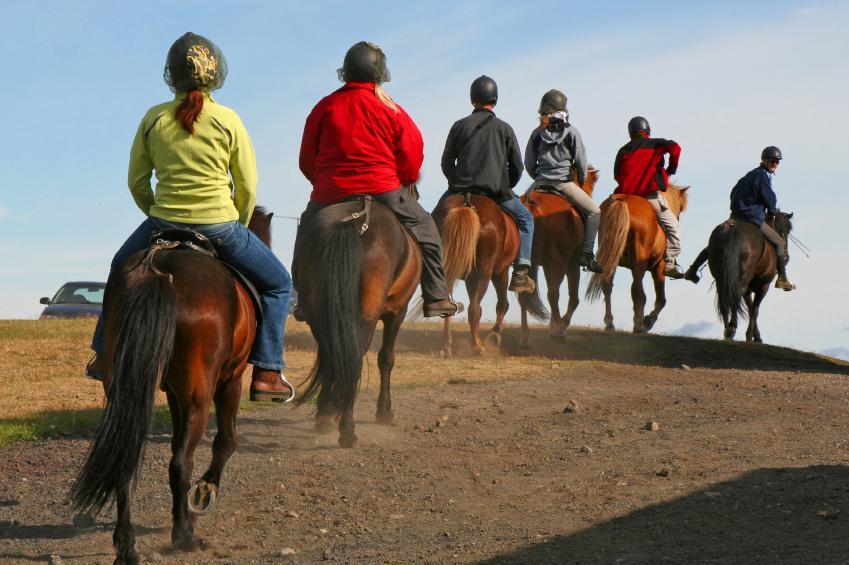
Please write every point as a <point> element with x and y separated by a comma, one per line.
<point>589,182</point>
<point>677,198</point>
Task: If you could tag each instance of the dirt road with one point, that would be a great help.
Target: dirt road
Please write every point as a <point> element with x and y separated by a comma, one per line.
<point>484,464</point>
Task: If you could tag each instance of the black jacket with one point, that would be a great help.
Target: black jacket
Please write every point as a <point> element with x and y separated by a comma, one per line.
<point>482,156</point>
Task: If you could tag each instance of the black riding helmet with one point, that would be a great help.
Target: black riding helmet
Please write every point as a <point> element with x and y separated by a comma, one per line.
<point>194,62</point>
<point>771,152</point>
<point>364,62</point>
<point>552,101</point>
<point>484,91</point>
<point>638,124</point>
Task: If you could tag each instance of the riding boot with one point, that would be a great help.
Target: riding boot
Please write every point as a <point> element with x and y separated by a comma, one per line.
<point>270,385</point>
<point>521,280</point>
<point>672,271</point>
<point>782,281</point>
<point>96,368</point>
<point>589,263</point>
<point>692,275</point>
<point>444,308</point>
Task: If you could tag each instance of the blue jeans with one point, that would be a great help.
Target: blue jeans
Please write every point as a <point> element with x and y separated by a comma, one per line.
<point>242,249</point>
<point>525,222</point>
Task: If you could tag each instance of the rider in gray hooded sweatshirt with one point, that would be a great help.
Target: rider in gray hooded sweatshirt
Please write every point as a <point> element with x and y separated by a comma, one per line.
<point>553,150</point>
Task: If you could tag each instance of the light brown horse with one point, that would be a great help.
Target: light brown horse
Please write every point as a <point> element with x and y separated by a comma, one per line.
<point>480,241</point>
<point>630,236</point>
<point>558,238</point>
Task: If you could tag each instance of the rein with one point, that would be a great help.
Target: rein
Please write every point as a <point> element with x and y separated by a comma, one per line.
<point>802,247</point>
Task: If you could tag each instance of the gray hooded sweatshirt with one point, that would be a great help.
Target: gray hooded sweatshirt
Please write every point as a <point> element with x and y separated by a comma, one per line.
<point>552,152</point>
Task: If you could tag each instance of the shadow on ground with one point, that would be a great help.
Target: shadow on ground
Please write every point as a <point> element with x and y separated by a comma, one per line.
<point>766,516</point>
<point>583,344</point>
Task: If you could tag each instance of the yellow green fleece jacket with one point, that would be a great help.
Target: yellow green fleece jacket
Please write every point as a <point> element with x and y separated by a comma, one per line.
<point>208,177</point>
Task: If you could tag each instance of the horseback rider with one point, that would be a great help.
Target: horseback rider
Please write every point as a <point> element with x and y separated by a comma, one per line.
<point>358,141</point>
<point>482,156</point>
<point>752,200</point>
<point>206,182</point>
<point>553,149</point>
<point>639,170</point>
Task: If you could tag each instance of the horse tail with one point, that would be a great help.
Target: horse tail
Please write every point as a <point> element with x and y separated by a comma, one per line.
<point>729,294</point>
<point>612,236</point>
<point>338,323</point>
<point>145,339</point>
<point>532,301</point>
<point>460,232</point>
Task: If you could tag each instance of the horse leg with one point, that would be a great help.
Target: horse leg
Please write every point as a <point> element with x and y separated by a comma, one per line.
<point>638,296</point>
<point>659,297</point>
<point>476,288</point>
<point>573,278</point>
<point>386,361</point>
<point>553,280</point>
<point>607,289</point>
<point>123,538</point>
<point>525,339</point>
<point>500,281</point>
<point>202,496</point>
<point>754,310</point>
<point>192,424</point>
<point>447,350</point>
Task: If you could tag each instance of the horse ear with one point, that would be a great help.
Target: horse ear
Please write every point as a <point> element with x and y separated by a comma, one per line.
<point>270,215</point>
<point>789,215</point>
<point>684,189</point>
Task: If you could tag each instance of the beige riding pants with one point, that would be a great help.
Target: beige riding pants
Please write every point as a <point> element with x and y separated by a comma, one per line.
<point>668,222</point>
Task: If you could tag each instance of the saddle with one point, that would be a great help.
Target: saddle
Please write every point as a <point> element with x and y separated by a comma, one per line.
<point>179,238</point>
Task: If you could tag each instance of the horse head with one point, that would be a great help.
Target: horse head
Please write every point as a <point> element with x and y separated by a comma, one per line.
<point>677,198</point>
<point>782,223</point>
<point>260,224</point>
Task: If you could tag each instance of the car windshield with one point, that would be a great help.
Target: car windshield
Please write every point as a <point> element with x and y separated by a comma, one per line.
<point>75,293</point>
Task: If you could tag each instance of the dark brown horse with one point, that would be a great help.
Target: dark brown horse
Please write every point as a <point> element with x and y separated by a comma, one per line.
<point>355,264</point>
<point>630,236</point>
<point>743,264</point>
<point>180,320</point>
<point>480,241</point>
<point>558,238</point>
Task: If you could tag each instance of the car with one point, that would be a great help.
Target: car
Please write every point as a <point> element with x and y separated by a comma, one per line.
<point>74,300</point>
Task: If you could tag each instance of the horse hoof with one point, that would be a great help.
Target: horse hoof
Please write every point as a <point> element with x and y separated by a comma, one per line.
<point>446,354</point>
<point>648,322</point>
<point>324,424</point>
<point>525,344</point>
<point>384,418</point>
<point>185,542</point>
<point>639,330</point>
<point>609,328</point>
<point>201,497</point>
<point>495,338</point>
<point>131,558</point>
<point>348,441</point>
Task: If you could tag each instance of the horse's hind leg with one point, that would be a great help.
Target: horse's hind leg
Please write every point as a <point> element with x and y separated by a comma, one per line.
<point>638,296</point>
<point>553,280</point>
<point>190,420</point>
<point>500,281</point>
<point>385,362</point>
<point>202,495</point>
<point>659,297</point>
<point>476,287</point>
<point>123,538</point>
<point>607,289</point>
<point>753,301</point>
<point>447,345</point>
<point>573,278</point>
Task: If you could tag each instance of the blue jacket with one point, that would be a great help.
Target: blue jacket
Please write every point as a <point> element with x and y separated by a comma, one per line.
<point>752,196</point>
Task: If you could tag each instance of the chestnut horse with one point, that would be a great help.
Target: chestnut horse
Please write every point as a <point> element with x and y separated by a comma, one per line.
<point>630,236</point>
<point>743,263</point>
<point>479,243</point>
<point>355,264</point>
<point>180,320</point>
<point>558,239</point>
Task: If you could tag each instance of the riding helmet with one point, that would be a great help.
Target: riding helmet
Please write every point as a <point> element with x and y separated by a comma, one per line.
<point>552,101</point>
<point>771,152</point>
<point>484,91</point>
<point>194,62</point>
<point>638,124</point>
<point>364,62</point>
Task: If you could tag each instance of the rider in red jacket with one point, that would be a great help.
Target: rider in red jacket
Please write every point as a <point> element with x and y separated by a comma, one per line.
<point>358,140</point>
<point>639,170</point>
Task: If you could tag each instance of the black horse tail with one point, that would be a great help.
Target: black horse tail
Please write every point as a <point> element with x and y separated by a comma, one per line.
<point>144,343</point>
<point>532,301</point>
<point>729,293</point>
<point>338,325</point>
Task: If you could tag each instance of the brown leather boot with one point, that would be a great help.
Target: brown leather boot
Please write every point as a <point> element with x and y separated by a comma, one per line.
<point>96,368</point>
<point>784,283</point>
<point>521,281</point>
<point>269,385</point>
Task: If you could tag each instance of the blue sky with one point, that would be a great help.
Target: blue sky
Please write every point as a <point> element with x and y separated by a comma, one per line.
<point>724,79</point>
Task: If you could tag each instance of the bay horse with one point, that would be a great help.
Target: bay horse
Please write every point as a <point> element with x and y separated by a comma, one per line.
<point>630,236</point>
<point>354,264</point>
<point>479,243</point>
<point>743,264</point>
<point>558,239</point>
<point>180,320</point>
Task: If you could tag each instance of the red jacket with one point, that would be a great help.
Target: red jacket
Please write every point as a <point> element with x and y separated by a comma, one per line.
<point>639,165</point>
<point>354,144</point>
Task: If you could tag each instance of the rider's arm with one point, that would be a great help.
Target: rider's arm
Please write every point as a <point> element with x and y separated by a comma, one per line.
<point>763,186</point>
<point>449,154</point>
<point>579,154</point>
<point>617,166</point>
<point>409,149</point>
<point>243,171</point>
<point>531,155</point>
<point>514,158</point>
<point>309,144</point>
<point>674,151</point>
<point>140,171</point>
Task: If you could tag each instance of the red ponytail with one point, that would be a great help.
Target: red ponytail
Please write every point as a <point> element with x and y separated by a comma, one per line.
<point>189,110</point>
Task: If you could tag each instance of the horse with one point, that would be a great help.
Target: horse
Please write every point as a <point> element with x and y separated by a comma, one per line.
<point>354,264</point>
<point>181,320</point>
<point>743,264</point>
<point>480,241</point>
<point>630,236</point>
<point>558,238</point>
